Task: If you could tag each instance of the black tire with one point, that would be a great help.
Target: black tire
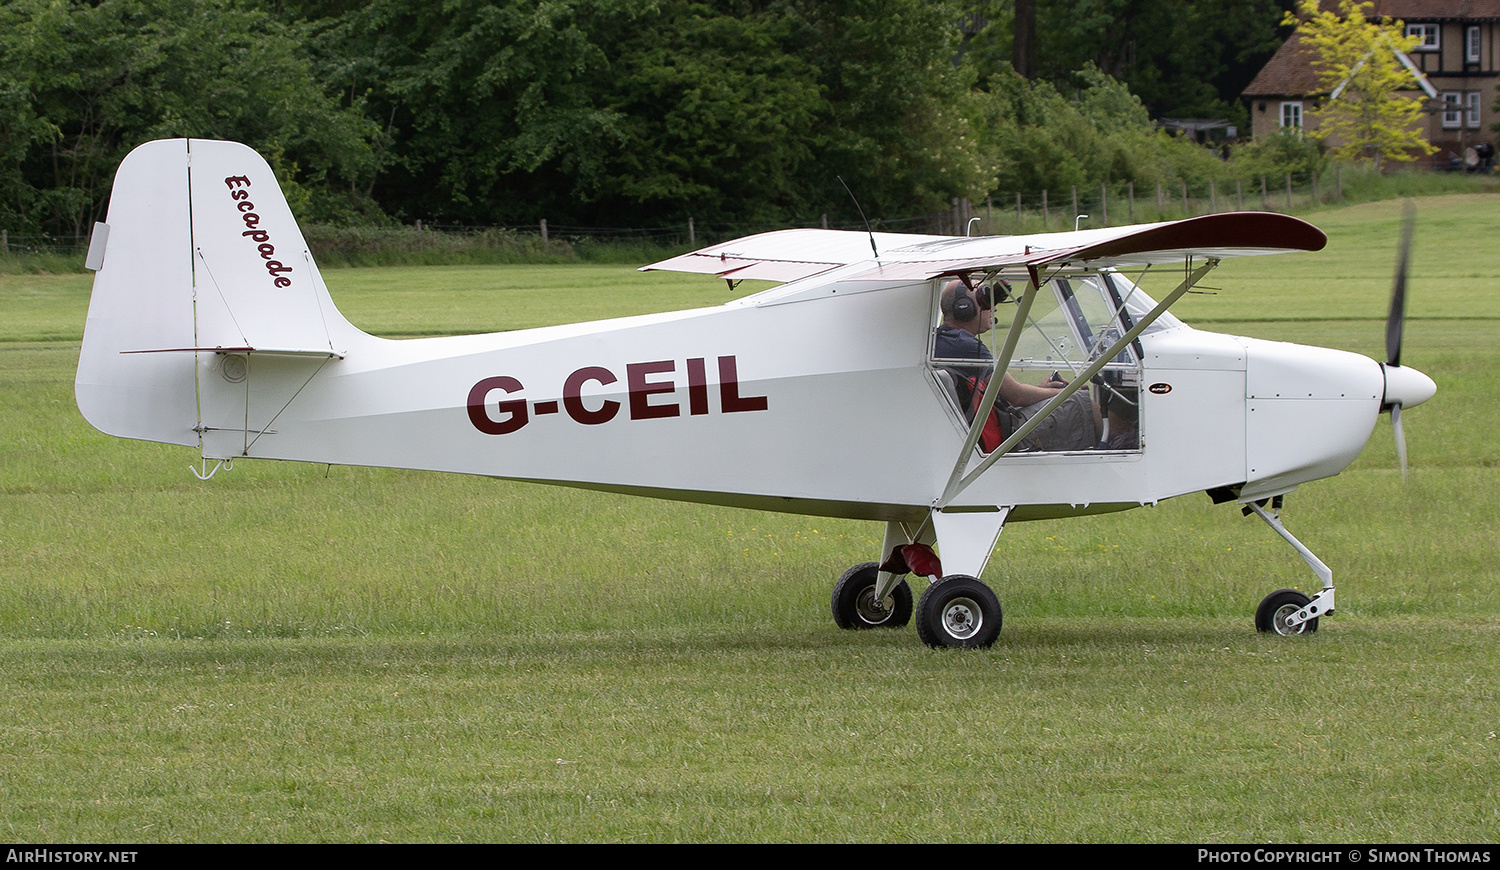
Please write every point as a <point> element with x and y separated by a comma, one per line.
<point>959,611</point>
<point>854,604</point>
<point>1271,615</point>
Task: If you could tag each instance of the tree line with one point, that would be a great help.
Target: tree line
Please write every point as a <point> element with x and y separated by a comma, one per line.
<point>626,112</point>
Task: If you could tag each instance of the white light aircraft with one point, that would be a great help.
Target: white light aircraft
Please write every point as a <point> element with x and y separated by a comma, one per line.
<point>829,394</point>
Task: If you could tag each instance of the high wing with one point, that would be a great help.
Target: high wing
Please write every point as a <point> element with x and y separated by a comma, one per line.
<point>791,255</point>
<point>787,255</point>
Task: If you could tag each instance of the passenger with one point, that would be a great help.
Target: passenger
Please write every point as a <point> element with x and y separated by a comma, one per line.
<point>967,315</point>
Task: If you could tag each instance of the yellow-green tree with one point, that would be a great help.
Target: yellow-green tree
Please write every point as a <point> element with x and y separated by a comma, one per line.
<point>1355,57</point>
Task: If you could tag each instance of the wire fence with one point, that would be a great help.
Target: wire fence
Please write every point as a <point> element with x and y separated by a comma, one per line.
<point>1001,213</point>
<point>14,243</point>
<point>1121,204</point>
<point>692,232</point>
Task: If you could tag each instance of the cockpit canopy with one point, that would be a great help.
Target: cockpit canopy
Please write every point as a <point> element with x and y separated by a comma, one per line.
<point>1073,319</point>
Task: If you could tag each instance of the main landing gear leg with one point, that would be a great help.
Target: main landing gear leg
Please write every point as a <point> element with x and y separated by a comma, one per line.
<point>1287,611</point>
<point>959,610</point>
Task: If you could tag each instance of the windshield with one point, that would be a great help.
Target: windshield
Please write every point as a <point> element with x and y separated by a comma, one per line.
<point>1137,303</point>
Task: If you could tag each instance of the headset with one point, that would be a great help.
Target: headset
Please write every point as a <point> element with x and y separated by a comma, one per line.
<point>966,307</point>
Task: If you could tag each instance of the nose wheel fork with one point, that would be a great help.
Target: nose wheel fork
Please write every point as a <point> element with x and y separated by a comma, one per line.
<point>1289,612</point>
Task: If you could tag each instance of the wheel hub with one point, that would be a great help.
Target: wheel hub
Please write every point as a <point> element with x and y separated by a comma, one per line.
<point>1279,621</point>
<point>962,618</point>
<point>872,610</point>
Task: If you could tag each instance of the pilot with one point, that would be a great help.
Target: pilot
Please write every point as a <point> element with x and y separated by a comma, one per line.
<point>969,314</point>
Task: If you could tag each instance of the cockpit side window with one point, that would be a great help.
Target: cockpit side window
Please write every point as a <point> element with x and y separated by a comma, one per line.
<point>1071,322</point>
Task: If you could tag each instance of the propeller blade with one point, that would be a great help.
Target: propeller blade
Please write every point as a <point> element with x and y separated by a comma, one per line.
<point>1395,322</point>
<point>1400,438</point>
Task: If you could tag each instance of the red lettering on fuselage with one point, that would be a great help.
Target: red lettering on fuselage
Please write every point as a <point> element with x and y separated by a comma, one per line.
<point>641,390</point>
<point>573,395</point>
<point>697,387</point>
<point>729,390</point>
<point>479,415</point>
<point>649,386</point>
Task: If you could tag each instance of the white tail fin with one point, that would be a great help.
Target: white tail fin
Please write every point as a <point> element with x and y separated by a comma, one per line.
<point>202,260</point>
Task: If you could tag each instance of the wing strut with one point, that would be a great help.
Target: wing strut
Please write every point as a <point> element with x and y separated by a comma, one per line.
<point>957,483</point>
<point>992,389</point>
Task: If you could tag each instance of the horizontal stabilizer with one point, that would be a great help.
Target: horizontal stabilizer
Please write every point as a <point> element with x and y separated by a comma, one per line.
<point>318,352</point>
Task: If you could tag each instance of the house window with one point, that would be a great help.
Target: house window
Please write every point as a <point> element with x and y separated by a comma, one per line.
<point>1471,44</point>
<point>1291,115</point>
<point>1427,33</point>
<point>1452,110</point>
<point>1471,115</point>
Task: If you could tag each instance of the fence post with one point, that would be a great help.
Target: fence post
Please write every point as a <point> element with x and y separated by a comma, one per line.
<point>692,236</point>
<point>1046,215</point>
<point>1104,203</point>
<point>1132,202</point>
<point>825,220</point>
<point>1075,205</point>
<point>544,230</point>
<point>419,225</point>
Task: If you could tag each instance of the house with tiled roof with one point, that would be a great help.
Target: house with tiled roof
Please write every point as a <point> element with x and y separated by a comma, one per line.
<point>1459,56</point>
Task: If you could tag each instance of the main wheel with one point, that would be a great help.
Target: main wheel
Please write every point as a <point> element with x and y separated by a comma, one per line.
<point>1274,609</point>
<point>958,611</point>
<point>854,604</point>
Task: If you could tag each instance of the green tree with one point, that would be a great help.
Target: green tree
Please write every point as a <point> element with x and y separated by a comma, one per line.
<point>496,110</point>
<point>84,83</point>
<point>638,112</point>
<point>1045,140</point>
<point>1183,58</point>
<point>1365,117</point>
<point>899,126</point>
<point>1287,152</point>
<point>719,117</point>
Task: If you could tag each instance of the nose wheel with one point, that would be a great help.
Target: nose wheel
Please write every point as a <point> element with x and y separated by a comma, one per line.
<point>1276,611</point>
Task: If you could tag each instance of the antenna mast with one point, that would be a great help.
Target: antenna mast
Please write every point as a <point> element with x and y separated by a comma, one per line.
<point>861,215</point>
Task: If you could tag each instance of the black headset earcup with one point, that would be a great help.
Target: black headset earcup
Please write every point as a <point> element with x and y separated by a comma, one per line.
<point>964,309</point>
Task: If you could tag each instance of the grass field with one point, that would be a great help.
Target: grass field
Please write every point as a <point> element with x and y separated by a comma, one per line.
<point>297,653</point>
